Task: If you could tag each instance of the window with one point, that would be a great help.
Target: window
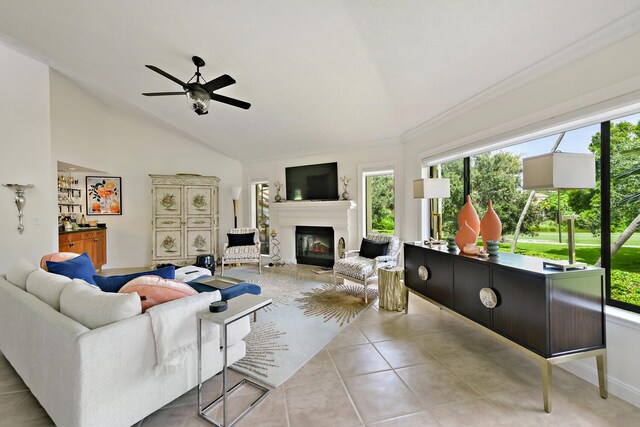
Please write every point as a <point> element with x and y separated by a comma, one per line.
<point>260,218</point>
<point>607,217</point>
<point>379,201</point>
<point>624,284</point>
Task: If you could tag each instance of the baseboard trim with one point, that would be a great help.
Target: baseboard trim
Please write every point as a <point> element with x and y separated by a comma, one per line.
<point>616,387</point>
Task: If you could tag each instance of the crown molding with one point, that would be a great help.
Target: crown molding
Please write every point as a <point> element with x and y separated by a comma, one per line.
<point>607,35</point>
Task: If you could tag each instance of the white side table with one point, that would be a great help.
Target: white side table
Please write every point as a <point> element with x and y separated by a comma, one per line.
<point>238,308</point>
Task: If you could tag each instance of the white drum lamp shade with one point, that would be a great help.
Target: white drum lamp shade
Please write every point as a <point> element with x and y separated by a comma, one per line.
<point>431,188</point>
<point>559,171</point>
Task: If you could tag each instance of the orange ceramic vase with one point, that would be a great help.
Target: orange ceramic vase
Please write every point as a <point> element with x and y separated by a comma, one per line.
<point>490,226</point>
<point>465,236</point>
<point>469,215</point>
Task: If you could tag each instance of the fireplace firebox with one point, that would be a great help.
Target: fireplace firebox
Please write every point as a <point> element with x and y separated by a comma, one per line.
<point>314,246</point>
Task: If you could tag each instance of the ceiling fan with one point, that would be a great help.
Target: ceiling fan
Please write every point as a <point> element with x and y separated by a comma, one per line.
<point>199,94</point>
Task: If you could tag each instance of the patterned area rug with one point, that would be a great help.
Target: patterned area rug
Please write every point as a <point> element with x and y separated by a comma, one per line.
<point>304,317</point>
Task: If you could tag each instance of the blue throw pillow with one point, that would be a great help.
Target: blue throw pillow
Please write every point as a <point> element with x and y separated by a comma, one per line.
<point>114,283</point>
<point>228,293</point>
<point>371,249</point>
<point>79,267</point>
<point>244,239</point>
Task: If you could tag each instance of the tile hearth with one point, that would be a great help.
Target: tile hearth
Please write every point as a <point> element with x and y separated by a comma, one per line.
<point>390,369</point>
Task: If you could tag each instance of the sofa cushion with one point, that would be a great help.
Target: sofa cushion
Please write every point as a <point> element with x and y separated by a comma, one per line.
<point>47,286</point>
<point>19,271</point>
<point>154,290</point>
<point>371,249</point>
<point>79,267</point>
<point>57,257</point>
<point>114,283</point>
<point>88,305</point>
<point>243,239</point>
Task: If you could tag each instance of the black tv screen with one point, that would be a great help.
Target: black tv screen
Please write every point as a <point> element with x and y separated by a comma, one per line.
<point>312,182</point>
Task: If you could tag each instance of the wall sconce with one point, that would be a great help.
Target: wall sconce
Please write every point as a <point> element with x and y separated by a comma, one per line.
<point>556,171</point>
<point>433,188</point>
<point>20,201</point>
<point>235,195</point>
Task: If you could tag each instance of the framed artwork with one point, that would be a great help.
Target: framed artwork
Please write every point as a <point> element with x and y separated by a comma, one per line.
<point>104,195</point>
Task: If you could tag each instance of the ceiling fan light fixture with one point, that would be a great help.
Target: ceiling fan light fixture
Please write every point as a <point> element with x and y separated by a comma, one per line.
<point>198,101</point>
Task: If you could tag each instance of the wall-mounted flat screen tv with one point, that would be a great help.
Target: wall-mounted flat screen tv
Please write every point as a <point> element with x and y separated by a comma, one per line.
<point>312,182</point>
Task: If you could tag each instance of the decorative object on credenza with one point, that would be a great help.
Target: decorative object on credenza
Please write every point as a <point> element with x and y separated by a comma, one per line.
<point>471,249</point>
<point>433,189</point>
<point>104,195</point>
<point>557,171</point>
<point>490,226</point>
<point>19,201</point>
<point>451,244</point>
<point>278,186</point>
<point>235,195</point>
<point>345,182</point>
<point>275,249</point>
<point>465,235</point>
<point>198,94</point>
<point>469,215</point>
<point>493,247</point>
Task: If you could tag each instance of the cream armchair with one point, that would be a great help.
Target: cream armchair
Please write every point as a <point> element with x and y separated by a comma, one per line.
<point>243,253</point>
<point>363,270</point>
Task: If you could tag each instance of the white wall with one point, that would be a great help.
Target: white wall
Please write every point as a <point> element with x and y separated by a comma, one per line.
<point>25,147</point>
<point>349,164</point>
<point>87,132</point>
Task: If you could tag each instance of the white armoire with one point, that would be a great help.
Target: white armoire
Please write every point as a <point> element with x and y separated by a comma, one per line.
<point>184,218</point>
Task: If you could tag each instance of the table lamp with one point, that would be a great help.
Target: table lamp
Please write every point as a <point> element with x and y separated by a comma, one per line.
<point>561,171</point>
<point>433,189</point>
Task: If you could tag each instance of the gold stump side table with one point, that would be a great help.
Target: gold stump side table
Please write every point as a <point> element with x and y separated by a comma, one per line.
<point>392,294</point>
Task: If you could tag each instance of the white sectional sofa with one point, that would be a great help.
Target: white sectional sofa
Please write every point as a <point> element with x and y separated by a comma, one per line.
<point>110,375</point>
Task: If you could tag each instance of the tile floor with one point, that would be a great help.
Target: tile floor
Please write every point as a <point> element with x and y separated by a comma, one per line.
<point>426,368</point>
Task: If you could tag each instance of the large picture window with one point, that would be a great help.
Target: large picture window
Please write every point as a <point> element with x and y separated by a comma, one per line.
<point>530,218</point>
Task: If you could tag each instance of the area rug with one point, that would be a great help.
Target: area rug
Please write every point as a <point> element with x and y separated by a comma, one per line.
<point>304,317</point>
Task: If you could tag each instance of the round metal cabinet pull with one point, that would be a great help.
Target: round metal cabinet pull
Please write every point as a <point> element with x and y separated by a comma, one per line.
<point>488,298</point>
<point>423,272</point>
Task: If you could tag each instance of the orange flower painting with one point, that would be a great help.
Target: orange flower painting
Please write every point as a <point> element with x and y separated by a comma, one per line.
<point>104,196</point>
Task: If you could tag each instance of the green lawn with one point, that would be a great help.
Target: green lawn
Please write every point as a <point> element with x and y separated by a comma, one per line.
<point>625,269</point>
<point>582,237</point>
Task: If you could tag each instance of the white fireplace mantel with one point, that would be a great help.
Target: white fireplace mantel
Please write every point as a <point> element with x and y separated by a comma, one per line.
<point>338,214</point>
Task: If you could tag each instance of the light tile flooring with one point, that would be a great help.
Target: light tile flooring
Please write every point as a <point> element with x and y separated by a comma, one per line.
<point>426,368</point>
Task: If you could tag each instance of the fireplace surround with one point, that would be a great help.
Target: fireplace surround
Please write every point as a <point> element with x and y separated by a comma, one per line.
<point>340,215</point>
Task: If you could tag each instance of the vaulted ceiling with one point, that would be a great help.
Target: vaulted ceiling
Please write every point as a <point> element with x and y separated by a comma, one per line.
<point>320,75</point>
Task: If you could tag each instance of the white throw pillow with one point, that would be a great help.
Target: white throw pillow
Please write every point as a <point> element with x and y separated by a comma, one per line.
<point>47,286</point>
<point>19,271</point>
<point>90,306</point>
<point>190,272</point>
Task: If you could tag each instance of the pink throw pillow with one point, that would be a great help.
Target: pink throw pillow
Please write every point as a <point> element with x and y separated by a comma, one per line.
<point>56,257</point>
<point>154,290</point>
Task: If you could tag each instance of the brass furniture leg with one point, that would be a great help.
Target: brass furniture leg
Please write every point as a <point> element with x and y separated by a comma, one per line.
<point>601,361</point>
<point>547,369</point>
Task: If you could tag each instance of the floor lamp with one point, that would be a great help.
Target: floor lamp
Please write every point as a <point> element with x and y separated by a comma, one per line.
<point>561,171</point>
<point>235,195</point>
<point>433,189</point>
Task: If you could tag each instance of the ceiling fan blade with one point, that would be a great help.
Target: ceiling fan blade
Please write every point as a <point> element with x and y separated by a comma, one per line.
<point>167,75</point>
<point>230,101</point>
<point>162,93</point>
<point>218,83</point>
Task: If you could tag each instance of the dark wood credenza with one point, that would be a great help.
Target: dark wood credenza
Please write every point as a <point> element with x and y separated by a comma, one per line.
<point>552,315</point>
